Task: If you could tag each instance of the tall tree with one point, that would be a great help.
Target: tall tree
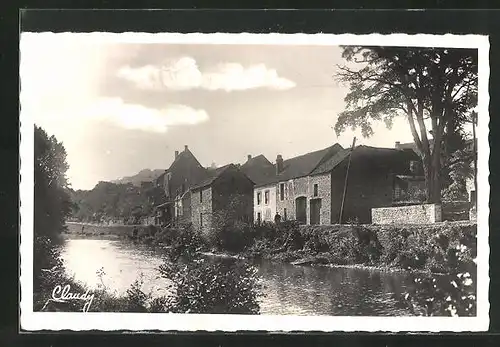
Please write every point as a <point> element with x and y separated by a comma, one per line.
<point>52,201</point>
<point>434,88</point>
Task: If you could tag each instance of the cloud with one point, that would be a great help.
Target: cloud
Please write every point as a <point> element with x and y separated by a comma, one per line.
<point>139,117</point>
<point>119,113</point>
<point>184,74</point>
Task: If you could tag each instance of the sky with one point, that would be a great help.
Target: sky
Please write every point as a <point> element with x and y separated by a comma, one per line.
<point>120,108</point>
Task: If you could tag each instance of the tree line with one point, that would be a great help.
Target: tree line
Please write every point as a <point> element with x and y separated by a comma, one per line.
<point>108,201</point>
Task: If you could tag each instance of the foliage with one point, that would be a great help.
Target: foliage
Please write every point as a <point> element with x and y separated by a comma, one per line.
<point>455,293</point>
<point>460,169</point>
<point>52,202</point>
<point>51,206</point>
<point>110,201</point>
<point>414,193</point>
<point>426,247</point>
<point>202,286</point>
<point>425,85</point>
<point>186,244</point>
<point>231,231</point>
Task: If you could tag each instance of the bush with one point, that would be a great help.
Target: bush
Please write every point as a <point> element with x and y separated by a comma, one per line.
<point>202,286</point>
<point>231,230</point>
<point>451,250</point>
<point>453,294</point>
<point>427,247</point>
<point>186,243</point>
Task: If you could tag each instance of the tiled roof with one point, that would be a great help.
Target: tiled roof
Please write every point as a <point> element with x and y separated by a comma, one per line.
<point>331,163</point>
<point>378,156</point>
<point>303,165</point>
<point>214,175</point>
<point>259,169</point>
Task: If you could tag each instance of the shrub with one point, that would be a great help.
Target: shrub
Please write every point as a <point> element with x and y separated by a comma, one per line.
<point>202,286</point>
<point>231,230</point>
<point>266,230</point>
<point>186,243</point>
<point>454,294</point>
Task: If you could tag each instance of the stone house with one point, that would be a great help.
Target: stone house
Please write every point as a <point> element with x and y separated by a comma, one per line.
<point>288,184</point>
<point>372,182</point>
<point>184,172</point>
<point>261,171</point>
<point>228,190</point>
<point>309,188</point>
<point>300,194</point>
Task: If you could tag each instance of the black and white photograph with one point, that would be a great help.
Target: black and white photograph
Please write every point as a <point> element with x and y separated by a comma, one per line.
<point>267,182</point>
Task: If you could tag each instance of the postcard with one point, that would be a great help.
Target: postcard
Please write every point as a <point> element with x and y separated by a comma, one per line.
<point>254,182</point>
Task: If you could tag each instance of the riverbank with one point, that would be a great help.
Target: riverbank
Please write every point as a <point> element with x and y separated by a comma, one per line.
<point>432,248</point>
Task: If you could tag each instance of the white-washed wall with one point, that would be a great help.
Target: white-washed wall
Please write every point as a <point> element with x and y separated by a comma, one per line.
<point>267,211</point>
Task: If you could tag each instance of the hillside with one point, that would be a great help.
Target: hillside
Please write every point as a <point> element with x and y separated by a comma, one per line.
<point>143,175</point>
<point>119,202</point>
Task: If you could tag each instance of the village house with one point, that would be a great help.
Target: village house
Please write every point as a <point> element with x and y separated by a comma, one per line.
<point>261,171</point>
<point>310,188</point>
<point>375,178</point>
<point>184,172</point>
<point>228,190</point>
<point>277,190</point>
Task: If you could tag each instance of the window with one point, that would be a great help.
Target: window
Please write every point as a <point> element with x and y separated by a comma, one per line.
<point>315,188</point>
<point>259,217</point>
<point>266,197</point>
<point>201,195</point>
<point>282,191</point>
<point>201,219</point>
<point>284,214</point>
<point>259,198</point>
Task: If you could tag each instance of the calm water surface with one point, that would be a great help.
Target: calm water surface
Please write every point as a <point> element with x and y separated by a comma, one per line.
<point>287,289</point>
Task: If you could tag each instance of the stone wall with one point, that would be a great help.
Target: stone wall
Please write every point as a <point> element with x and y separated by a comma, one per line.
<point>414,214</point>
<point>203,207</point>
<point>304,187</point>
<point>324,193</point>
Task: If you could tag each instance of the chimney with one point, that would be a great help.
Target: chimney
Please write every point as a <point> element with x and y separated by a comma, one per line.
<point>249,156</point>
<point>176,154</point>
<point>397,144</point>
<point>279,164</point>
<point>185,147</point>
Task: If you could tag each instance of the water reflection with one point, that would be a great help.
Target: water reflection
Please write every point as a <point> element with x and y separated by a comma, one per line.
<point>330,291</point>
<point>122,262</point>
<point>287,289</point>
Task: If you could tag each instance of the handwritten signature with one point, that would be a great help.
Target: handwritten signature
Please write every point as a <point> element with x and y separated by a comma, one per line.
<point>64,295</point>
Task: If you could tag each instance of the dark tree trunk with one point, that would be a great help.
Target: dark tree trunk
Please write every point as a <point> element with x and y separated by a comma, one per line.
<point>432,164</point>
<point>435,194</point>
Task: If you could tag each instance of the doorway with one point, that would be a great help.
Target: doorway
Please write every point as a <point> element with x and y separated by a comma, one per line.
<point>315,210</point>
<point>301,209</point>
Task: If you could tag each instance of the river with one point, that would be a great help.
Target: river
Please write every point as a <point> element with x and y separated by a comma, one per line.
<point>287,289</point>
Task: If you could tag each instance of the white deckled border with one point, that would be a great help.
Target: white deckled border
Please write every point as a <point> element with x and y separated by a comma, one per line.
<point>191,322</point>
